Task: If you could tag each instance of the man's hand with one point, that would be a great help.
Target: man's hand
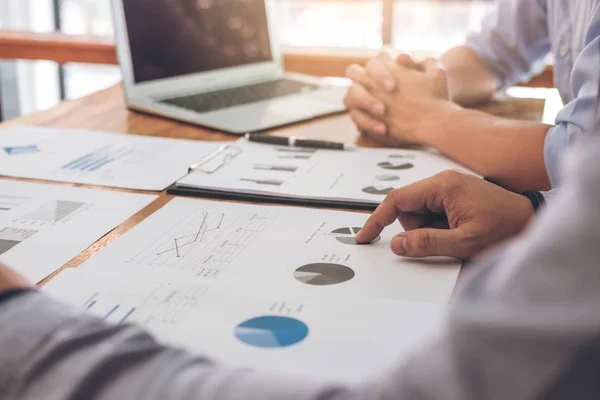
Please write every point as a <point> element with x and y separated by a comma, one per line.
<point>398,97</point>
<point>10,279</point>
<point>450,214</point>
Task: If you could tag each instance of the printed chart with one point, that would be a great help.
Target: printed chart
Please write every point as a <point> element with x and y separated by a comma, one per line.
<point>322,274</point>
<point>203,242</point>
<point>159,306</point>
<point>271,331</point>
<point>347,235</point>
<point>10,237</point>
<point>42,226</point>
<point>98,158</point>
<point>9,201</point>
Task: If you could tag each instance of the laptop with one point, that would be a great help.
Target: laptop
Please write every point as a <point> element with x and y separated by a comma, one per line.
<point>214,63</point>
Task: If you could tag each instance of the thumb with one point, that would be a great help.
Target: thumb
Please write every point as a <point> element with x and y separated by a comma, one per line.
<point>426,242</point>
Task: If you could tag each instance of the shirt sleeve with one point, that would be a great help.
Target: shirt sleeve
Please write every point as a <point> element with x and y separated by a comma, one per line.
<point>525,326</point>
<point>513,41</point>
<point>550,195</point>
<point>579,117</point>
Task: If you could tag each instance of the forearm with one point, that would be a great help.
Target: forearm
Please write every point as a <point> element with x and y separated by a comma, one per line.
<point>469,79</point>
<point>509,152</point>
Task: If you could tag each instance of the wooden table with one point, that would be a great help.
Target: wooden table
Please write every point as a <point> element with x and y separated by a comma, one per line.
<point>106,111</point>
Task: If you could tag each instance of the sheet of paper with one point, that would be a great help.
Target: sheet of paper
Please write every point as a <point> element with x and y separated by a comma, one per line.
<point>297,250</point>
<point>97,158</point>
<point>362,175</point>
<point>324,337</point>
<point>44,226</point>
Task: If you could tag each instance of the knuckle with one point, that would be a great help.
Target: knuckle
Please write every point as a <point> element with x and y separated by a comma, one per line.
<point>350,71</point>
<point>448,177</point>
<point>372,66</point>
<point>392,196</point>
<point>424,243</point>
<point>354,92</point>
<point>355,87</point>
<point>384,56</point>
<point>470,243</point>
<point>347,102</point>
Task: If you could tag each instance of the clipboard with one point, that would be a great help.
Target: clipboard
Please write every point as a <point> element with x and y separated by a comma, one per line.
<point>257,198</point>
<point>221,156</point>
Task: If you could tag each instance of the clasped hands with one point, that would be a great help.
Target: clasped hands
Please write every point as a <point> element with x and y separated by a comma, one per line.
<point>398,100</point>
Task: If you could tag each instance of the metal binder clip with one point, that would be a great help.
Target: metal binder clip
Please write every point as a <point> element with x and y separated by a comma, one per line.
<point>216,159</point>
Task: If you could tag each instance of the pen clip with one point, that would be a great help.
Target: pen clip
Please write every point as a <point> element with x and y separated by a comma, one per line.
<point>215,160</point>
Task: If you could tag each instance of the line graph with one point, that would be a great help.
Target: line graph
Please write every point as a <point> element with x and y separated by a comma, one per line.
<point>202,242</point>
<point>197,237</point>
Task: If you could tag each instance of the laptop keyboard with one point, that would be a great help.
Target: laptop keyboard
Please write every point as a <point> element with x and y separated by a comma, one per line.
<point>210,101</point>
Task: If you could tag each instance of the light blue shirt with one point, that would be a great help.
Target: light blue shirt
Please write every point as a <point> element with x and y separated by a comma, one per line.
<point>515,42</point>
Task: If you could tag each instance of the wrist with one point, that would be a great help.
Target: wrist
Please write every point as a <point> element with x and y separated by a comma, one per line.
<point>443,115</point>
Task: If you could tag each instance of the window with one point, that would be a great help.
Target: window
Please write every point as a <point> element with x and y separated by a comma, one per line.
<point>333,23</point>
<point>347,25</point>
<point>435,26</point>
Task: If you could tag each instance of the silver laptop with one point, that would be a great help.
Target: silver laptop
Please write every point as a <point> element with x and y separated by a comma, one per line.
<point>215,63</point>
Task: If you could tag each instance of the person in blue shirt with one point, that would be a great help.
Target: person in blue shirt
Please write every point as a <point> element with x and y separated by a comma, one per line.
<point>422,102</point>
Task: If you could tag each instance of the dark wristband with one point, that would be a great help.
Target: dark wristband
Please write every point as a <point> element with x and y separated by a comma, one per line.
<point>9,294</point>
<point>536,198</point>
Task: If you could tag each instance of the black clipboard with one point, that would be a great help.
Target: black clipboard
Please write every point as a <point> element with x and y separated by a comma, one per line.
<point>225,153</point>
<point>257,198</point>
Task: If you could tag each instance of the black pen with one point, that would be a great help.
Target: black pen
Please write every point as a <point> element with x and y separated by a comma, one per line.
<point>298,142</point>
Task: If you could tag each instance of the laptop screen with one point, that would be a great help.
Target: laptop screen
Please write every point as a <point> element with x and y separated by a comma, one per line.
<point>170,38</point>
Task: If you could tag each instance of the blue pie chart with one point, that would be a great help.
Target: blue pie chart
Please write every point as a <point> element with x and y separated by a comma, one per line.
<point>271,331</point>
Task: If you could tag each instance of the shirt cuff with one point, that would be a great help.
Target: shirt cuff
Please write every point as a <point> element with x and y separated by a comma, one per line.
<point>9,294</point>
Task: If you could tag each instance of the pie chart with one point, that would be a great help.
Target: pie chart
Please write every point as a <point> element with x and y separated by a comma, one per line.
<point>271,331</point>
<point>347,235</point>
<point>389,165</point>
<point>321,274</point>
<point>378,191</point>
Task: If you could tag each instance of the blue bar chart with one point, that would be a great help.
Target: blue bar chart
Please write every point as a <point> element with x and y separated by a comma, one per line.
<point>97,159</point>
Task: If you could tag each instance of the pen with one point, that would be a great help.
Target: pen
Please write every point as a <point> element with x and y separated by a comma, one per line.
<point>297,142</point>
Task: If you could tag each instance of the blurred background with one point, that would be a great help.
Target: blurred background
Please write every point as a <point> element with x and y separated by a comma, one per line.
<point>343,26</point>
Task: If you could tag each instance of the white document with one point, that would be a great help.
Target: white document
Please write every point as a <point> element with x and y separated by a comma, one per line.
<point>361,176</point>
<point>44,226</point>
<point>295,250</point>
<point>320,336</point>
<point>97,158</point>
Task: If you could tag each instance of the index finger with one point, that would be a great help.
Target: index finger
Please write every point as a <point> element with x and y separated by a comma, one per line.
<point>416,197</point>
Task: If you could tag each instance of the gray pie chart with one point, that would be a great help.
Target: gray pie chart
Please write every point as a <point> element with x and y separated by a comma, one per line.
<point>377,191</point>
<point>321,274</point>
<point>348,235</point>
<point>389,165</point>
